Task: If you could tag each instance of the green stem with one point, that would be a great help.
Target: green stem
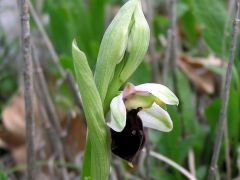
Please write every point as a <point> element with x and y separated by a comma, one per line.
<point>86,167</point>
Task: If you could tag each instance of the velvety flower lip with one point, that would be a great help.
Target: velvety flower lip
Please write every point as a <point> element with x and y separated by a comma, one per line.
<point>127,143</point>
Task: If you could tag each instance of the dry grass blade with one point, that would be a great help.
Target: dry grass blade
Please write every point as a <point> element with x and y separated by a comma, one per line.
<point>172,163</point>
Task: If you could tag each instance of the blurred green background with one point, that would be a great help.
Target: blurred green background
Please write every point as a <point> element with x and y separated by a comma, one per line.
<point>203,30</point>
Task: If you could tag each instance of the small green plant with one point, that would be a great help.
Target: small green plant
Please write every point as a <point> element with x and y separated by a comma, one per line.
<point>122,49</point>
<point>3,176</point>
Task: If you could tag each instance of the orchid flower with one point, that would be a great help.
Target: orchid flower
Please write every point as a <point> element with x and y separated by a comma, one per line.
<point>134,108</point>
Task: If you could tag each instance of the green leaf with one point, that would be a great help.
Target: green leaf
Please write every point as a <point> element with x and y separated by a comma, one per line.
<point>201,172</point>
<point>3,176</point>
<point>60,33</point>
<point>189,27</point>
<point>66,62</point>
<point>181,8</point>
<point>186,105</point>
<point>233,115</point>
<point>211,15</point>
<point>64,24</point>
<point>212,112</point>
<point>92,106</point>
<point>97,17</point>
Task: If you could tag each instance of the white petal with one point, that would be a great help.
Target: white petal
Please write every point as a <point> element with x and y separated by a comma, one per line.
<point>118,114</point>
<point>156,118</point>
<point>160,91</point>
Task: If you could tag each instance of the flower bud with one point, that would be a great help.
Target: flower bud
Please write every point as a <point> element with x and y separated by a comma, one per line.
<point>138,45</point>
<point>113,46</point>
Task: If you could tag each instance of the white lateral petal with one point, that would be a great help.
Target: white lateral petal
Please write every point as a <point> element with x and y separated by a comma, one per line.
<point>118,114</point>
<point>156,118</point>
<point>160,91</point>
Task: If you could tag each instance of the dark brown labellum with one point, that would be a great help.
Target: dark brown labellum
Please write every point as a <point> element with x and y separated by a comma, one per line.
<point>130,141</point>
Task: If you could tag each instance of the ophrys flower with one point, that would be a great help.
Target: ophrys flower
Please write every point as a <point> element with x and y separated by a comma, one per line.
<point>134,108</point>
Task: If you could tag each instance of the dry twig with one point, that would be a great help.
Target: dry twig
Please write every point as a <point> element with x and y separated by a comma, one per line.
<point>225,96</point>
<point>52,118</point>
<point>227,153</point>
<point>171,51</point>
<point>152,51</point>
<point>67,76</point>
<point>231,4</point>
<point>28,88</point>
<point>155,75</point>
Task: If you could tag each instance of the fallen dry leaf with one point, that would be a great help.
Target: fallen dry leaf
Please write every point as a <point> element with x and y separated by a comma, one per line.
<point>13,131</point>
<point>12,134</point>
<point>13,117</point>
<point>198,73</point>
<point>19,154</point>
<point>76,134</point>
